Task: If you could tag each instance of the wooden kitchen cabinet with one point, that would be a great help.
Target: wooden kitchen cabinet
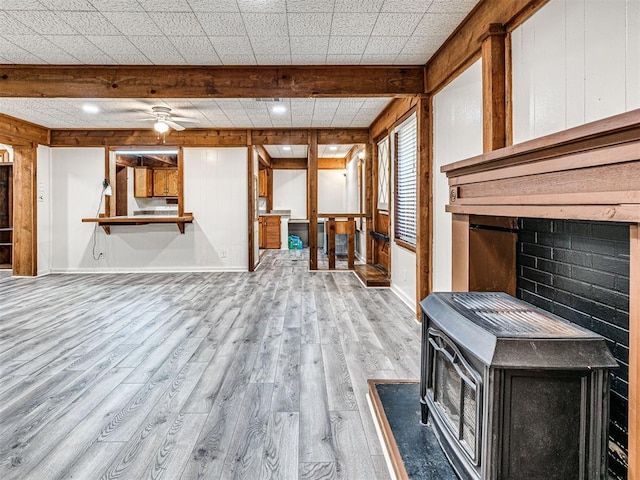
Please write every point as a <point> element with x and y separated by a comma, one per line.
<point>263,186</point>
<point>269,231</point>
<point>143,182</point>
<point>165,182</point>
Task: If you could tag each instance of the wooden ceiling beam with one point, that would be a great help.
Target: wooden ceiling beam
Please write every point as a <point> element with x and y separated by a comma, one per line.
<point>343,136</point>
<point>155,81</point>
<point>463,47</point>
<point>14,131</point>
<point>332,163</point>
<point>263,156</point>
<point>289,163</point>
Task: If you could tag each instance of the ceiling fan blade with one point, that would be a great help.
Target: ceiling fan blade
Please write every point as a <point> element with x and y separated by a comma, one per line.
<point>176,126</point>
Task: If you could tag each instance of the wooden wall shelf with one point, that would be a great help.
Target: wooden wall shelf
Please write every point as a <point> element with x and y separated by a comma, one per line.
<point>107,222</point>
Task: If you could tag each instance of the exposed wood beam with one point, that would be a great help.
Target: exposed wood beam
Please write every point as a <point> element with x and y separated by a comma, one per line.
<point>14,131</point>
<point>343,136</point>
<point>463,47</point>
<point>312,199</point>
<point>155,81</point>
<point>280,137</point>
<point>389,117</point>
<point>494,80</point>
<point>332,163</point>
<point>424,202</point>
<point>125,162</point>
<point>263,156</point>
<point>148,137</point>
<point>25,238</point>
<point>289,163</point>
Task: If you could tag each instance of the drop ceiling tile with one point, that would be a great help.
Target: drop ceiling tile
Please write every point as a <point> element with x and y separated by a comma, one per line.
<point>117,5</point>
<point>313,59</point>
<point>219,24</point>
<point>177,23</point>
<point>270,45</point>
<point>262,6</point>
<point>223,6</point>
<point>273,59</point>
<point>339,45</point>
<point>413,59</point>
<point>44,22</point>
<point>232,45</point>
<point>343,59</point>
<point>193,46</point>
<point>434,24</point>
<point>385,45</point>
<point>396,24</point>
<point>352,25</point>
<point>310,6</point>
<point>133,23</point>
<point>309,23</point>
<point>165,5</point>
<point>158,49</point>
<point>130,59</point>
<point>15,54</point>
<point>302,103</point>
<point>10,26</point>
<point>90,23</point>
<point>79,47</point>
<point>375,102</point>
<point>202,59</point>
<point>114,45</point>
<point>21,5</point>
<point>43,47</point>
<point>68,5</point>
<point>358,6</point>
<point>235,59</point>
<point>259,24</point>
<point>407,6</point>
<point>327,103</point>
<point>421,45</point>
<point>446,6</point>
<point>309,45</point>
<point>378,59</point>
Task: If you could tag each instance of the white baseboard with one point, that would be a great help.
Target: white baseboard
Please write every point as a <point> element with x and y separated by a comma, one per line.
<point>147,270</point>
<point>409,302</point>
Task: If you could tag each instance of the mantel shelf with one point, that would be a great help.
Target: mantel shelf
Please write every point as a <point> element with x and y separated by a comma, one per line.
<point>107,222</point>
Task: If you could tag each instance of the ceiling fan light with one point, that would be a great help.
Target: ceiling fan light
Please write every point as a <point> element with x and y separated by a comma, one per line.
<point>161,127</point>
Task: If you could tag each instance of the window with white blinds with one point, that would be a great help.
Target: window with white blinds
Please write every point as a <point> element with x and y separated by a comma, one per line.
<point>405,178</point>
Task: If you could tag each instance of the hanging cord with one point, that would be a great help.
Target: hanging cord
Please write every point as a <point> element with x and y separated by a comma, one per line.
<point>95,228</point>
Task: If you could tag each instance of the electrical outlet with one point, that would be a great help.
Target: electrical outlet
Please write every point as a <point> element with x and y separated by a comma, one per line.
<point>223,254</point>
<point>100,255</point>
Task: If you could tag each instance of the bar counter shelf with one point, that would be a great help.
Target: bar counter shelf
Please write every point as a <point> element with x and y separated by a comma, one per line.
<point>107,222</point>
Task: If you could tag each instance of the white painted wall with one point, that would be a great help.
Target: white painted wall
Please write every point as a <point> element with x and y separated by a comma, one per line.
<point>457,123</point>
<point>332,191</point>
<point>43,208</point>
<point>215,185</point>
<point>574,62</point>
<point>352,202</point>
<point>290,192</point>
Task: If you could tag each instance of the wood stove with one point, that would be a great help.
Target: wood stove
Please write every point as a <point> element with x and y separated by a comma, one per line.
<point>513,392</point>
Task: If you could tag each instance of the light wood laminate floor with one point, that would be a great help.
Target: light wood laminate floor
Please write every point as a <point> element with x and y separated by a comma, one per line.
<point>197,375</point>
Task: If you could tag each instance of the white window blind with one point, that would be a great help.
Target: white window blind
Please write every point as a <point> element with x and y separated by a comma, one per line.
<point>405,198</point>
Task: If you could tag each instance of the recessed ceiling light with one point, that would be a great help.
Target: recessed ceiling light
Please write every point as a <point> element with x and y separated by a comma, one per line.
<point>88,108</point>
<point>286,149</point>
<point>333,148</point>
<point>279,109</point>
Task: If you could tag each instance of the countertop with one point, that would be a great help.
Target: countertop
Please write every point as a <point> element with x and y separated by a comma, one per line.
<point>276,213</point>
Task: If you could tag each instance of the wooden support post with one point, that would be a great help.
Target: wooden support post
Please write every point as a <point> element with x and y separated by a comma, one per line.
<point>251,189</point>
<point>494,90</point>
<point>181,184</point>
<point>312,198</point>
<point>424,239</point>
<point>634,356</point>
<point>370,159</point>
<point>351,243</point>
<point>331,240</point>
<point>460,253</point>
<point>25,238</point>
<point>269,171</point>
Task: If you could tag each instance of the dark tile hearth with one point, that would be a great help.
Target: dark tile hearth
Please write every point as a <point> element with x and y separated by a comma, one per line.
<point>417,444</point>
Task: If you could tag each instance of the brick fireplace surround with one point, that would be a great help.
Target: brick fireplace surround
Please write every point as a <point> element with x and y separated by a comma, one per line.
<point>518,212</point>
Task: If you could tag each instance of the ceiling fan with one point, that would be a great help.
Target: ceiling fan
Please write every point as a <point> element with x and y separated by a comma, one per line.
<point>164,120</point>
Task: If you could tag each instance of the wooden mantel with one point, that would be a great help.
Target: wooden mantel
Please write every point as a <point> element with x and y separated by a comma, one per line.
<point>590,172</point>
